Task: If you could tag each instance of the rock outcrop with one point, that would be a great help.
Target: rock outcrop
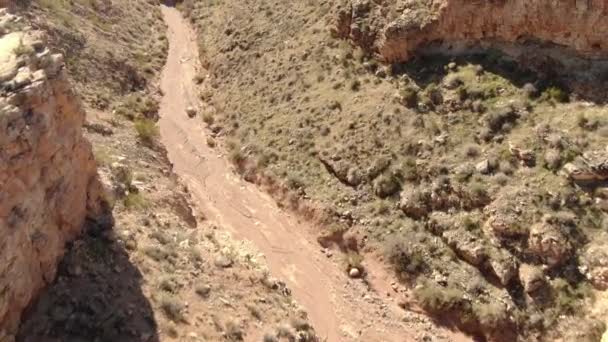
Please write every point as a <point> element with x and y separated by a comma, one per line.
<point>48,178</point>
<point>397,29</point>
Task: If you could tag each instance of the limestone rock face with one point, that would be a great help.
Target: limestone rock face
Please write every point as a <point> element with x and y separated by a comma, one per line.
<point>48,178</point>
<point>398,29</point>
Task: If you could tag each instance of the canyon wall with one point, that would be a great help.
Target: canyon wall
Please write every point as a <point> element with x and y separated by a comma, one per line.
<point>396,29</point>
<point>48,178</point>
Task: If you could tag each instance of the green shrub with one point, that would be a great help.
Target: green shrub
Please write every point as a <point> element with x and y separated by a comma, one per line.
<point>22,49</point>
<point>490,315</point>
<point>386,185</point>
<point>353,260</point>
<point>555,94</point>
<point>135,201</point>
<point>438,299</point>
<point>172,308</point>
<point>409,97</point>
<point>208,118</point>
<point>403,255</point>
<point>147,130</point>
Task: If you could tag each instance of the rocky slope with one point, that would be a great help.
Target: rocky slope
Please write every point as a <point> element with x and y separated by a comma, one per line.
<point>557,38</point>
<point>163,272</point>
<point>464,170</point>
<point>48,174</point>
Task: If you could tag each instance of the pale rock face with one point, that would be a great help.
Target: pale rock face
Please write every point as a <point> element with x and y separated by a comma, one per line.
<point>594,262</point>
<point>48,178</point>
<point>532,278</point>
<point>397,32</point>
<point>548,243</point>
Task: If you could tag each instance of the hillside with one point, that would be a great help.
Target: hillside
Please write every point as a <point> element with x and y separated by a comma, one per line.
<point>156,269</point>
<point>479,178</point>
<point>343,170</point>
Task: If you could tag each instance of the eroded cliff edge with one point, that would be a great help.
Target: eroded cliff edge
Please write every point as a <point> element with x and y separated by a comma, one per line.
<point>565,38</point>
<point>48,179</point>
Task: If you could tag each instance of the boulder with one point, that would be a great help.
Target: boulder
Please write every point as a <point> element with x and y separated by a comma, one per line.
<point>547,242</point>
<point>531,277</point>
<point>469,247</point>
<point>594,262</point>
<point>414,202</point>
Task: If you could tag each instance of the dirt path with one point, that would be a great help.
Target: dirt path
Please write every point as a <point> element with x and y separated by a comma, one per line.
<point>341,309</point>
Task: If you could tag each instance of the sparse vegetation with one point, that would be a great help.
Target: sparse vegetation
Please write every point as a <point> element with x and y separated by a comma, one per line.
<point>147,130</point>
<point>172,308</point>
<point>410,154</point>
<point>135,200</point>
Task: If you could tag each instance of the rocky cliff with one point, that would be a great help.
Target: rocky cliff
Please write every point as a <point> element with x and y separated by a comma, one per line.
<point>48,179</point>
<point>397,29</point>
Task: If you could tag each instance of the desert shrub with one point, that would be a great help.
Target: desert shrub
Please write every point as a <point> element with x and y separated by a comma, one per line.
<point>134,107</point>
<point>353,260</point>
<point>581,120</point>
<point>433,94</point>
<point>555,94</point>
<point>208,118</point>
<point>160,236</point>
<point>135,200</point>
<point>22,49</point>
<point>269,338</point>
<point>124,175</point>
<point>440,300</point>
<point>470,224</point>
<point>530,90</point>
<point>294,182</point>
<point>409,97</point>
<point>478,190</point>
<point>570,298</point>
<point>499,119</point>
<point>147,130</point>
<point>236,156</point>
<point>172,308</point>
<point>490,315</point>
<point>168,284</point>
<point>552,159</point>
<point>386,185</point>
<point>506,167</point>
<point>472,150</point>
<point>403,255</point>
<point>234,332</point>
<point>202,290</point>
<point>254,311</point>
<point>408,170</point>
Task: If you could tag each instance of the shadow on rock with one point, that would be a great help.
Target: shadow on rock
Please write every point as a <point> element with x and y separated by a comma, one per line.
<point>587,79</point>
<point>96,296</point>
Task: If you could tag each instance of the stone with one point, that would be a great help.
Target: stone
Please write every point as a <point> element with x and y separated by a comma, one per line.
<point>354,273</point>
<point>594,262</point>
<point>415,203</point>
<point>483,167</point>
<point>191,112</point>
<point>531,277</point>
<point>468,246</point>
<point>223,261</point>
<point>591,167</point>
